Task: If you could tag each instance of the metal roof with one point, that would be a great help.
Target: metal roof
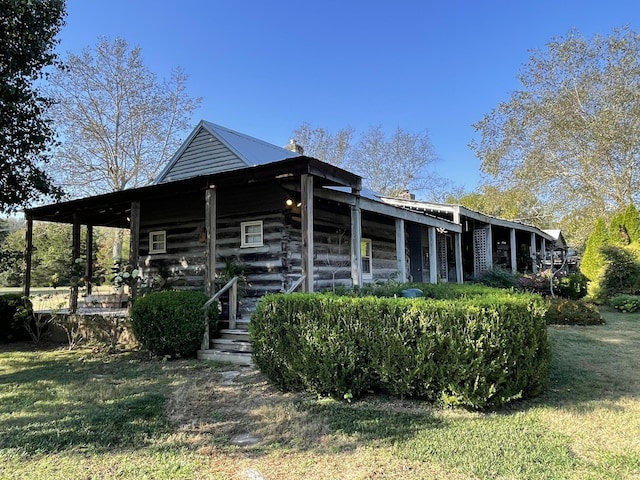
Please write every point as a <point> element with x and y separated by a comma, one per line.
<point>249,150</point>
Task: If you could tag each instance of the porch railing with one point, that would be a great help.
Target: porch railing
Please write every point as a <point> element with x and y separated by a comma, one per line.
<point>295,285</point>
<point>232,287</point>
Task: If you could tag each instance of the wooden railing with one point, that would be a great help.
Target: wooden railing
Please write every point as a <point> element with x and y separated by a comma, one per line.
<point>295,285</point>
<point>232,286</point>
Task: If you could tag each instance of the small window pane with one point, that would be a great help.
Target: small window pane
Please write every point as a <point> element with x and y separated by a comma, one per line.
<point>252,235</point>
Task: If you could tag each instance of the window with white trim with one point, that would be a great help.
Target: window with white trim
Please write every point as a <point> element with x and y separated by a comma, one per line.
<point>365,252</point>
<point>251,234</point>
<point>158,241</point>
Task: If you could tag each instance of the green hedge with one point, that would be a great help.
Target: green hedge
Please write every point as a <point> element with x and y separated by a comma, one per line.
<point>170,322</point>
<point>476,353</point>
<point>12,329</point>
<point>563,311</point>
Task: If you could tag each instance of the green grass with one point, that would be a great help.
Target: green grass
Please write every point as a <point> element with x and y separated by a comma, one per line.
<point>82,414</point>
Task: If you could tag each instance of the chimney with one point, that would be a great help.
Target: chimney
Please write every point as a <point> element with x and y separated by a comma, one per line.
<point>407,195</point>
<point>294,147</point>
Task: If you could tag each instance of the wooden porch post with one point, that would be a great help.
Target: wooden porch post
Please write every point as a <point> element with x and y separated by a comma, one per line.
<point>28,251</point>
<point>306,213</point>
<point>457,238</point>
<point>356,240</point>
<point>543,253</point>
<point>75,249</point>
<point>88,269</point>
<point>134,242</point>
<point>489,247</point>
<point>513,250</point>
<point>401,250</point>
<point>210,226</point>
<point>534,264</point>
<point>433,255</point>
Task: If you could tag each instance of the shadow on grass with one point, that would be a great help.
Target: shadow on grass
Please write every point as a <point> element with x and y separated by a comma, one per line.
<point>64,403</point>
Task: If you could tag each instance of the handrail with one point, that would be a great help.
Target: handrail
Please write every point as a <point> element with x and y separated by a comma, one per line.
<point>294,286</point>
<point>217,295</point>
<point>233,308</point>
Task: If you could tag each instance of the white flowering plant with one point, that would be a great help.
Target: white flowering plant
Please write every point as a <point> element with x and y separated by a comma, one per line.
<point>125,275</point>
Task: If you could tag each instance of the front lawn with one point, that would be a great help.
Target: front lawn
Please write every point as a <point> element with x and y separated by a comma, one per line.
<point>83,414</point>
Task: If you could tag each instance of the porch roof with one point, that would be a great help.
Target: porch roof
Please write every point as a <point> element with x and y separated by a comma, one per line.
<point>456,212</point>
<point>113,209</point>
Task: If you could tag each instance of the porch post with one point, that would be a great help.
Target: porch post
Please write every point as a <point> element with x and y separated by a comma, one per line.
<point>210,226</point>
<point>28,251</point>
<point>513,250</point>
<point>543,253</point>
<point>401,250</point>
<point>134,242</point>
<point>88,269</point>
<point>356,240</point>
<point>489,247</point>
<point>75,253</point>
<point>306,213</point>
<point>433,255</point>
<point>457,237</point>
<point>534,264</point>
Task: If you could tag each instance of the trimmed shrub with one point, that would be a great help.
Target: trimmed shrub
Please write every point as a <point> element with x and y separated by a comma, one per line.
<point>499,278</point>
<point>476,353</point>
<point>625,303</point>
<point>621,272</point>
<point>169,323</point>
<point>573,286</point>
<point>564,311</point>
<point>11,327</point>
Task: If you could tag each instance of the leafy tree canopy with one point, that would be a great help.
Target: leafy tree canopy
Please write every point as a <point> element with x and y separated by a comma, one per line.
<point>27,40</point>
<point>571,135</point>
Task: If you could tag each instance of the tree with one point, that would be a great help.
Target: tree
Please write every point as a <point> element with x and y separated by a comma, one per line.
<point>592,263</point>
<point>29,30</point>
<point>118,123</point>
<point>571,135</point>
<point>333,148</point>
<point>510,204</point>
<point>389,164</point>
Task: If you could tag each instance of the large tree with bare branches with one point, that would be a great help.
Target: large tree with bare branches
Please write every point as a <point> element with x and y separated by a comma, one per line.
<point>118,123</point>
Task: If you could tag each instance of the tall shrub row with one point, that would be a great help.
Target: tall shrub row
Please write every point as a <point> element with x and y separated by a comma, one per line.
<point>476,353</point>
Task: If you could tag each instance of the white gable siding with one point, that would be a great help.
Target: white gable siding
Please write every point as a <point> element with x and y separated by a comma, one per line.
<point>204,155</point>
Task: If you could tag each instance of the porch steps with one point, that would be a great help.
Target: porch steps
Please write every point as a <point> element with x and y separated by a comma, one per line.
<point>230,345</point>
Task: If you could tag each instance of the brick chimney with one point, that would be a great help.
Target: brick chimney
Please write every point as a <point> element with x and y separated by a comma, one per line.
<point>294,147</point>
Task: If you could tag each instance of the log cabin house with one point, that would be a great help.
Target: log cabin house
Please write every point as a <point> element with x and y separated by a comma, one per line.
<point>292,220</point>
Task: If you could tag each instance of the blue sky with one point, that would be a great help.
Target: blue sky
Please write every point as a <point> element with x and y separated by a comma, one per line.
<point>265,67</point>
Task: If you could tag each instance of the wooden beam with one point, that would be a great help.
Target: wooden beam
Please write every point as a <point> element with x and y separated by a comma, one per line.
<point>489,265</point>
<point>534,264</point>
<point>433,255</point>
<point>306,213</point>
<point>210,226</point>
<point>28,252</point>
<point>356,240</point>
<point>401,256</point>
<point>134,242</point>
<point>75,253</point>
<point>457,238</point>
<point>88,268</point>
<point>513,249</point>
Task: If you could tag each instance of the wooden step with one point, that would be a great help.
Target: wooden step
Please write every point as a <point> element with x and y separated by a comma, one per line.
<point>234,334</point>
<point>238,358</point>
<point>231,345</point>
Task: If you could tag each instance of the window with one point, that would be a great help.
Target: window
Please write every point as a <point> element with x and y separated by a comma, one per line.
<point>251,234</point>
<point>158,242</point>
<point>365,252</point>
